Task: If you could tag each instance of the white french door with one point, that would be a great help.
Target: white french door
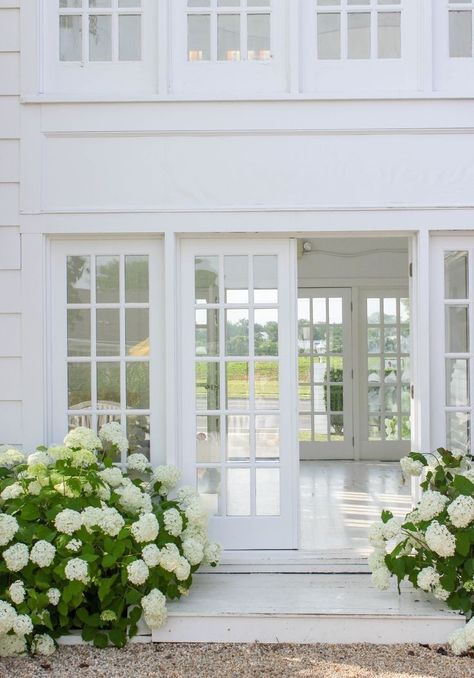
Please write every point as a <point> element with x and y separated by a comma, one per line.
<point>325,373</point>
<point>238,407</point>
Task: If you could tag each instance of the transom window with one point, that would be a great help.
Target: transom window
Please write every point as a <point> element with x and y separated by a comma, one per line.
<point>229,30</point>
<point>461,15</point>
<point>100,30</point>
<point>359,29</point>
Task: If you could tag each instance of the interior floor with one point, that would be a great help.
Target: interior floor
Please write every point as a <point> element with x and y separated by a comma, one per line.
<point>339,500</point>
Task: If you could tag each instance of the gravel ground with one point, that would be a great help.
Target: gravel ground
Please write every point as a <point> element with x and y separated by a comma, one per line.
<point>245,661</point>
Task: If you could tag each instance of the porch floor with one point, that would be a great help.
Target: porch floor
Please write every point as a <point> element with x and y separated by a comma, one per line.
<point>304,608</point>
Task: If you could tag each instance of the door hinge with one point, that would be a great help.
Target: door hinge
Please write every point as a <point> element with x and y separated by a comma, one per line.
<point>352,374</point>
<point>411,270</point>
<point>352,307</point>
<point>412,392</point>
<point>353,441</point>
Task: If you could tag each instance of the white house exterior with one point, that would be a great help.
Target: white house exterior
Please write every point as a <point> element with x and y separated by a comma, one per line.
<point>161,165</point>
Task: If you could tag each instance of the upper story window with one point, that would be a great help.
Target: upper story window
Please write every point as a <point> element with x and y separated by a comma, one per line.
<point>461,15</point>
<point>100,30</point>
<point>359,29</point>
<point>229,30</point>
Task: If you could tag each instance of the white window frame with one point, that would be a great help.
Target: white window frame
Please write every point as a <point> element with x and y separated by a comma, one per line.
<point>359,75</point>
<point>452,74</point>
<point>91,76</point>
<point>57,330</point>
<point>228,78</point>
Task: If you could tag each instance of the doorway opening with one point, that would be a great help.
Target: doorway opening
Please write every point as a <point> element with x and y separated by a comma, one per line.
<point>354,387</point>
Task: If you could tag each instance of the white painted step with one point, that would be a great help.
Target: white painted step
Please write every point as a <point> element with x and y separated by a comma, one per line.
<point>304,608</point>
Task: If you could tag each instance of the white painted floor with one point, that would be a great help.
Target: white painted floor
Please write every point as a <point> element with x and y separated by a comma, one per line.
<point>339,500</point>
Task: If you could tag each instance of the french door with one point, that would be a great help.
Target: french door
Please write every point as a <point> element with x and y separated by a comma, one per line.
<point>239,439</point>
<point>325,373</point>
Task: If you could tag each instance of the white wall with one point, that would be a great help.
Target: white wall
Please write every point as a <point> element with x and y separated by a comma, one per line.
<point>10,249</point>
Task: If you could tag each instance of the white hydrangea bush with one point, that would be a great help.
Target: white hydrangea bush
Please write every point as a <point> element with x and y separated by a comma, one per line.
<point>87,545</point>
<point>433,546</point>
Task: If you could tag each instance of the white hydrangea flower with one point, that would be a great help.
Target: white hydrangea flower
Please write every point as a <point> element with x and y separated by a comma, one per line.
<point>461,511</point>
<point>103,492</point>
<point>111,522</point>
<point>138,572</point>
<point>68,521</point>
<point>113,434</point>
<point>186,494</point>
<point>376,559</point>
<point>194,531</point>
<point>145,529</point>
<point>77,570</point>
<point>196,513</point>
<point>410,467</point>
<point>8,528</point>
<point>132,499</point>
<point>154,609</point>
<point>183,569</point>
<point>112,476</point>
<point>173,522</point>
<point>392,528</point>
<point>60,452</point>
<point>12,492</point>
<point>91,517</point>
<point>469,633</point>
<point>42,553</point>
<point>83,437</point>
<point>168,477</point>
<point>12,646</point>
<point>377,534</point>
<point>41,459</point>
<point>151,554</point>
<point>10,457</point>
<point>440,540</point>
<point>74,545</point>
<point>170,556</point>
<point>43,644</point>
<point>65,490</point>
<point>23,625</point>
<point>16,557</point>
<point>381,578</point>
<point>441,594</point>
<point>193,551</point>
<point>428,579</point>
<point>458,642</point>
<point>83,457</point>
<point>7,616</point>
<point>137,462</point>
<point>34,488</point>
<point>212,553</point>
<point>431,505</point>
<point>17,592</point>
<point>54,596</point>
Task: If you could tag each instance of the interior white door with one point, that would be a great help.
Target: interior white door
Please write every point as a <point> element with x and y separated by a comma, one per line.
<point>238,348</point>
<point>384,371</point>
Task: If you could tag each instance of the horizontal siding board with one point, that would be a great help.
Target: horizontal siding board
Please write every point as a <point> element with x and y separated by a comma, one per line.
<point>10,292</point>
<point>9,159</point>
<point>10,379</point>
<point>9,30</point>
<point>10,423</point>
<point>10,249</point>
<point>9,73</point>
<point>10,335</point>
<point>9,117</point>
<point>9,204</point>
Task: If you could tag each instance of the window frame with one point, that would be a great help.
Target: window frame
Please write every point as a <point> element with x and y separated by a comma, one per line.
<point>451,74</point>
<point>58,358</point>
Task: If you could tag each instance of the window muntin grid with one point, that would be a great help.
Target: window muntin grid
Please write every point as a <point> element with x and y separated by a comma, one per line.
<point>108,344</point>
<point>229,30</point>
<point>237,374</point>
<point>92,31</point>
<point>457,348</point>
<point>460,28</point>
<point>322,368</point>
<point>388,368</point>
<point>348,30</point>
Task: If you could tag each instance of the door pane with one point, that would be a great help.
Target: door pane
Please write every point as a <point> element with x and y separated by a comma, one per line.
<point>457,329</point>
<point>207,280</point>
<point>237,385</point>
<point>70,38</point>
<point>238,437</point>
<point>138,386</point>
<point>78,280</point>
<point>208,439</point>
<point>329,36</point>
<point>79,386</point>
<point>265,279</point>
<point>258,37</point>
<point>268,492</point>
<point>199,36</point>
<point>78,332</point>
<point>207,386</point>
<point>460,33</point>
<point>267,437</point>
<point>209,488</point>
<point>456,283</point>
<point>266,331</point>
<point>137,331</point>
<point>267,389</point>
<point>136,279</point>
<point>130,40</point>
<point>108,386</point>
<point>100,37</point>
<point>238,492</point>
<point>457,382</point>
<point>389,35</point>
<point>207,331</point>
<point>458,431</point>
<point>237,332</point>
<point>107,279</point>
<point>358,35</point>
<point>236,279</point>
<point>228,37</point>
<point>108,332</point>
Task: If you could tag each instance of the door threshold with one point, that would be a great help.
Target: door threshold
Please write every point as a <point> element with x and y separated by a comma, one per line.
<point>301,561</point>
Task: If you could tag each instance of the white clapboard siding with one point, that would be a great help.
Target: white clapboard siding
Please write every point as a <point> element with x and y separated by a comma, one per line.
<point>9,117</point>
<point>9,73</point>
<point>9,158</point>
<point>10,249</point>
<point>10,292</point>
<point>9,29</point>
<point>10,335</point>
<point>10,423</point>
<point>9,200</point>
<point>10,378</point>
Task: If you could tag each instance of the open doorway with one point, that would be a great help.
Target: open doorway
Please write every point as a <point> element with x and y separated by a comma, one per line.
<point>354,389</point>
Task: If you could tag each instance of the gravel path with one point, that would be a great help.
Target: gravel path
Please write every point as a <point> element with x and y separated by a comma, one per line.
<point>245,661</point>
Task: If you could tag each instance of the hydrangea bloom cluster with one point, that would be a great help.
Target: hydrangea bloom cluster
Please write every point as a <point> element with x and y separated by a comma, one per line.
<point>433,548</point>
<point>86,541</point>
